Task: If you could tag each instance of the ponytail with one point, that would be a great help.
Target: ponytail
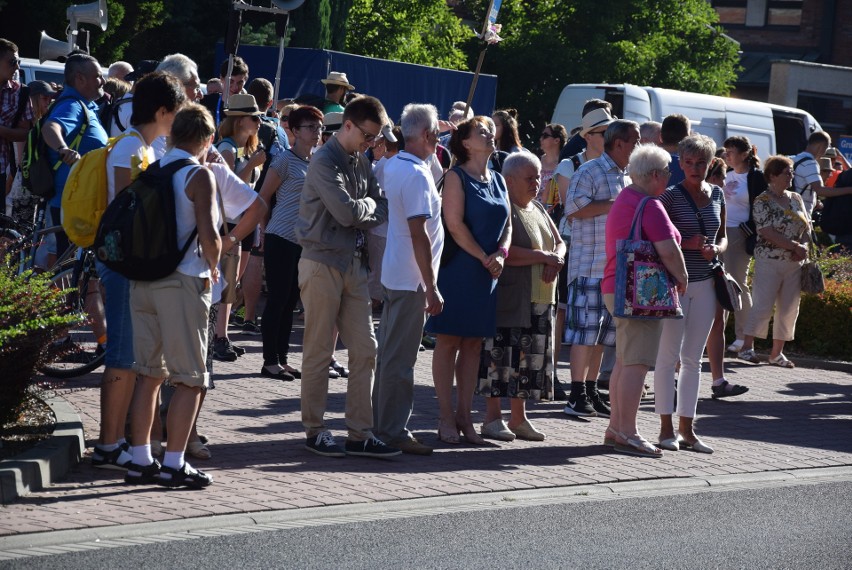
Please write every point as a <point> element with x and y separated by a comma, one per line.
<point>753,160</point>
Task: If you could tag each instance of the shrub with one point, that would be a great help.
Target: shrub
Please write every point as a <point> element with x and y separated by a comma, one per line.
<point>32,315</point>
<point>824,327</point>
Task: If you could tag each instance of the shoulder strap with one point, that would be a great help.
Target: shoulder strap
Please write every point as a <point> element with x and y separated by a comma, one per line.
<point>575,160</point>
<point>23,100</point>
<point>795,166</point>
<point>636,224</point>
<point>695,209</point>
<point>114,114</point>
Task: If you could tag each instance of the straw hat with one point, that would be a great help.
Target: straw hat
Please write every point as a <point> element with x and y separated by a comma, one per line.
<point>242,105</point>
<point>594,119</point>
<point>338,78</point>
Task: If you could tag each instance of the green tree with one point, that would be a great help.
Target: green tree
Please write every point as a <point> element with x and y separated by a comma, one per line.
<point>425,32</point>
<point>675,44</point>
<point>311,25</point>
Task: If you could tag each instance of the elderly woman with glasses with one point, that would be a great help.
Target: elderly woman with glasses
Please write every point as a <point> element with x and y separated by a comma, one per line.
<point>783,230</point>
<point>637,340</point>
<point>697,210</point>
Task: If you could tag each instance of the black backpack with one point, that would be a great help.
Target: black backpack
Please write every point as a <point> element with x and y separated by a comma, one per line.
<point>268,136</point>
<point>108,114</point>
<point>137,236</point>
<point>37,173</point>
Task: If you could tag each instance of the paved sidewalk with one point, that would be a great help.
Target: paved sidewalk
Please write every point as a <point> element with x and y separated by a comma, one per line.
<point>791,419</point>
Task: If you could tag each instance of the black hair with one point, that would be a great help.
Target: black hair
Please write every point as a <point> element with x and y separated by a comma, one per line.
<point>156,90</point>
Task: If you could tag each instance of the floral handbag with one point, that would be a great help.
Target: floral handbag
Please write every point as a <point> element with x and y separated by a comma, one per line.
<point>644,289</point>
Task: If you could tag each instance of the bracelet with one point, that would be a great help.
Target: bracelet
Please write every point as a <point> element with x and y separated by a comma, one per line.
<point>504,251</point>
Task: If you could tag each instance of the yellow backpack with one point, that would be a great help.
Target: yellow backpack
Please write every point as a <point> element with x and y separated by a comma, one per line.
<point>84,197</point>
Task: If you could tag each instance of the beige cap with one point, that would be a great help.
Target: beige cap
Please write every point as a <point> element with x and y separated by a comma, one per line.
<point>594,119</point>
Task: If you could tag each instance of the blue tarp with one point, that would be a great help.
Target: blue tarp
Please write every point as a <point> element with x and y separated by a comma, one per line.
<point>395,84</point>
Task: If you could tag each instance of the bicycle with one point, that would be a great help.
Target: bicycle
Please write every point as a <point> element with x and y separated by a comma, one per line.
<point>79,351</point>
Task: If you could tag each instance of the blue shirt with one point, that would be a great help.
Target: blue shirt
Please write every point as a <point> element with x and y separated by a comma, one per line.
<point>68,113</point>
<point>678,174</point>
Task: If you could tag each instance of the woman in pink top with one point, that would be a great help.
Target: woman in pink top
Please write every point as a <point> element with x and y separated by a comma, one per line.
<point>637,341</point>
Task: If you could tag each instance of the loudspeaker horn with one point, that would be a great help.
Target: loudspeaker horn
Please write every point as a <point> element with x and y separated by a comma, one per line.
<point>92,13</point>
<point>287,4</point>
<point>50,48</point>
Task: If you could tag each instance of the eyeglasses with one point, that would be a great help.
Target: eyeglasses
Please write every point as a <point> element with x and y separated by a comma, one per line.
<point>367,136</point>
<point>254,118</point>
<point>601,133</point>
<point>313,128</point>
<point>284,118</point>
<point>665,171</point>
<point>547,136</point>
<point>14,61</point>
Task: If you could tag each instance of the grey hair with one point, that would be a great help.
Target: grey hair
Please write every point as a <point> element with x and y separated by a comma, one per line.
<point>460,106</point>
<point>697,145</point>
<point>517,160</point>
<point>180,66</point>
<point>619,130</point>
<point>645,159</point>
<point>77,64</point>
<point>650,129</point>
<point>416,117</point>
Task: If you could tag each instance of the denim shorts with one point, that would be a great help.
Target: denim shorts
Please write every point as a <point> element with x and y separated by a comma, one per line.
<point>119,348</point>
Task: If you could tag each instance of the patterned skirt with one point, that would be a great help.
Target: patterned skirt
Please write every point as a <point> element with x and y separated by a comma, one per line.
<point>518,362</point>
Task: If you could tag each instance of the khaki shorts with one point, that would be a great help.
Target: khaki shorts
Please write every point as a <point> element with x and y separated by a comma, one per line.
<point>170,328</point>
<point>636,340</point>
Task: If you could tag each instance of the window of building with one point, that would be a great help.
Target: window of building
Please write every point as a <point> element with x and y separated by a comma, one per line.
<point>731,12</point>
<point>784,12</point>
<point>759,13</point>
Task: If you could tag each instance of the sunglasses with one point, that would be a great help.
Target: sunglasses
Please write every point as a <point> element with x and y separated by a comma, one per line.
<point>14,60</point>
<point>254,118</point>
<point>546,135</point>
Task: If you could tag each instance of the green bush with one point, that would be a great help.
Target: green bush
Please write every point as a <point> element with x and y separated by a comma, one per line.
<point>32,315</point>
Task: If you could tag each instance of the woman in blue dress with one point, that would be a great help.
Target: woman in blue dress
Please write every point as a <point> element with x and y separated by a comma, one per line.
<point>476,214</point>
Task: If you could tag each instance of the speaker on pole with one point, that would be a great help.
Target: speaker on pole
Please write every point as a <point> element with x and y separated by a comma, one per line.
<point>51,48</point>
<point>92,13</point>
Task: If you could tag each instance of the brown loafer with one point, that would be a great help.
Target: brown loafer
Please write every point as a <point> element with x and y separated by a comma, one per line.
<point>411,447</point>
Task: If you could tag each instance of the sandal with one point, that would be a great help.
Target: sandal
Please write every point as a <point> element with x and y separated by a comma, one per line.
<point>638,446</point>
<point>448,433</point>
<point>748,355</point>
<point>781,361</point>
<point>609,440</point>
<point>198,450</point>
<point>726,390</point>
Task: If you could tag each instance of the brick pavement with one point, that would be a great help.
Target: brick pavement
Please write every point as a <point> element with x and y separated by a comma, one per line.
<point>785,422</point>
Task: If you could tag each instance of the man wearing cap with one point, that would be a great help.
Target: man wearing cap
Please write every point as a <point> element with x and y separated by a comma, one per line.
<point>593,189</point>
<point>341,199</point>
<point>15,114</point>
<point>336,86</point>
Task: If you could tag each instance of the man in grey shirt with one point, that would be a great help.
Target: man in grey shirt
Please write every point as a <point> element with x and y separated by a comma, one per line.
<point>341,199</point>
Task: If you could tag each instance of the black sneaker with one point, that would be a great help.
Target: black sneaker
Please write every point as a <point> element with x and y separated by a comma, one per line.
<point>110,459</point>
<point>323,444</point>
<point>250,328</point>
<point>222,350</point>
<point>186,476</point>
<point>600,405</point>
<point>236,348</point>
<point>370,447</point>
<point>579,406</point>
<point>142,474</point>
<point>559,394</point>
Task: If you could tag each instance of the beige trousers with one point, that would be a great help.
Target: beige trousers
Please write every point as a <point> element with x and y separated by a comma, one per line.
<point>777,283</point>
<point>333,298</point>
<point>736,261</point>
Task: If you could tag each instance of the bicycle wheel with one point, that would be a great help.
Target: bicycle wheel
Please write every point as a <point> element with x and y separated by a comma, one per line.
<point>78,352</point>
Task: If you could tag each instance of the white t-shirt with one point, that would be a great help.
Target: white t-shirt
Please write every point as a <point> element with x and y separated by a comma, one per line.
<point>807,173</point>
<point>411,193</point>
<point>736,199</point>
<point>132,153</point>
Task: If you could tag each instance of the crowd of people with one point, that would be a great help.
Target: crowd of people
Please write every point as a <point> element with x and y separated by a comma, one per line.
<point>451,228</point>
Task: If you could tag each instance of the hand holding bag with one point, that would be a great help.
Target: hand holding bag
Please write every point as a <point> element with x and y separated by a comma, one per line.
<point>644,289</point>
<point>813,281</point>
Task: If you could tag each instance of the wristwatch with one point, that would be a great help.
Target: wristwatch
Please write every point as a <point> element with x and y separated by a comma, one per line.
<point>233,239</point>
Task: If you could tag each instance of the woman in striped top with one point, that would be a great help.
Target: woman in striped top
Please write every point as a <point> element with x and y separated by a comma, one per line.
<point>697,210</point>
<point>281,250</point>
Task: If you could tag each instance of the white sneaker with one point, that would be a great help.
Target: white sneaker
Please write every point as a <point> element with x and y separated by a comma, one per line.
<point>736,346</point>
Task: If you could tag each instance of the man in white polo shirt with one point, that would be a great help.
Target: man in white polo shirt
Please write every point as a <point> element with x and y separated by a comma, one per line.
<point>414,244</point>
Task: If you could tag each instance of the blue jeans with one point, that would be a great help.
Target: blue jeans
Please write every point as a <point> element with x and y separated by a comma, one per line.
<point>119,348</point>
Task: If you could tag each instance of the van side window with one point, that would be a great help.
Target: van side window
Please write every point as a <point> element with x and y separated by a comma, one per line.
<point>790,136</point>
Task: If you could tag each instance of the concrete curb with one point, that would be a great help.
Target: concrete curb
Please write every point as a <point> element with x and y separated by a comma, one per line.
<point>48,461</point>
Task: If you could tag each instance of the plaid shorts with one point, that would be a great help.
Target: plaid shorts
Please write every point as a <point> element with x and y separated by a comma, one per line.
<point>589,323</point>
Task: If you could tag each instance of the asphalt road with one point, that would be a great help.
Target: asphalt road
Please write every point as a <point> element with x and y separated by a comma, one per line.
<point>801,526</point>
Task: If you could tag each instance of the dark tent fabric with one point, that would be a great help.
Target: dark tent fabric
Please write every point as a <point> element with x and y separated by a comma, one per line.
<point>395,84</point>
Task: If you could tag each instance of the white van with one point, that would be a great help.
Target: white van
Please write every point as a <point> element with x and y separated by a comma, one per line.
<point>50,71</point>
<point>774,129</point>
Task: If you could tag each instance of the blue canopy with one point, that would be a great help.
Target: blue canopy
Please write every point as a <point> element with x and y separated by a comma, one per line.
<point>395,84</point>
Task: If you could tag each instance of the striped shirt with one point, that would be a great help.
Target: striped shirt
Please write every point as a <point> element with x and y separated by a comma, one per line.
<point>684,219</point>
<point>599,179</point>
<point>292,170</point>
<point>10,93</point>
